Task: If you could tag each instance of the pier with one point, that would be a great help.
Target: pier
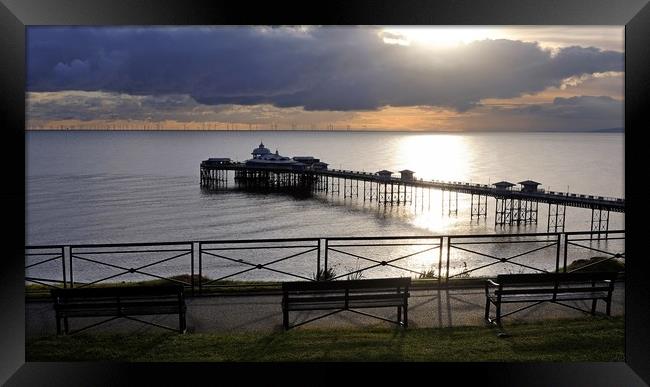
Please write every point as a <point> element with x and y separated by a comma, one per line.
<point>512,206</point>
<point>306,176</point>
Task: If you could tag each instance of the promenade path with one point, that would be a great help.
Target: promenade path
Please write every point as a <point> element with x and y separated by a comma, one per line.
<point>263,313</point>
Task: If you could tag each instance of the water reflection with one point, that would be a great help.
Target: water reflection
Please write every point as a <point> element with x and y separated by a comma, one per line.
<point>442,157</point>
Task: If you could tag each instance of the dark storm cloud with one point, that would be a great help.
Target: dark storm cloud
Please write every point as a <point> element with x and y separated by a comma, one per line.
<point>588,107</point>
<point>87,106</point>
<point>574,113</point>
<point>317,69</point>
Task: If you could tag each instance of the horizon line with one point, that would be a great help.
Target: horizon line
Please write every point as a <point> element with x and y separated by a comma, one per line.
<point>613,130</point>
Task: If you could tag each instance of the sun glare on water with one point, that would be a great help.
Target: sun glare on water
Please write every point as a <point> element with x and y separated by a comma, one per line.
<point>437,156</point>
<point>434,157</point>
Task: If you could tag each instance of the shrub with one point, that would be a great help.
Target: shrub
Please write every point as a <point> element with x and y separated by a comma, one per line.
<point>604,264</point>
<point>428,273</point>
<point>356,272</point>
<point>325,275</point>
<point>462,274</point>
<point>355,276</point>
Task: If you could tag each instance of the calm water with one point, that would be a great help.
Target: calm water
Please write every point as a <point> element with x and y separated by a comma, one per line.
<point>118,187</point>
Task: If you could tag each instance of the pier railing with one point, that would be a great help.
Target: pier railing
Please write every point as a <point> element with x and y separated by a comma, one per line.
<point>201,265</point>
<point>540,194</point>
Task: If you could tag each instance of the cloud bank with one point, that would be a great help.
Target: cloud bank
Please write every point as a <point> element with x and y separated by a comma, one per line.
<point>325,69</point>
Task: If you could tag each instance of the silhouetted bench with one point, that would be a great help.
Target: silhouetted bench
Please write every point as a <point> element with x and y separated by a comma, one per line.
<point>548,287</point>
<point>119,302</point>
<point>346,295</point>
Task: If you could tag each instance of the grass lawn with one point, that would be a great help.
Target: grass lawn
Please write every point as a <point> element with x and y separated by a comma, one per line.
<point>575,340</point>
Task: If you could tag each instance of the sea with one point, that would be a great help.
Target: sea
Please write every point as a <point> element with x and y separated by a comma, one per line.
<point>109,187</point>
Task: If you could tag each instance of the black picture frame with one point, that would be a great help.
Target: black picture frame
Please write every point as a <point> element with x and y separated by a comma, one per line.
<point>15,15</point>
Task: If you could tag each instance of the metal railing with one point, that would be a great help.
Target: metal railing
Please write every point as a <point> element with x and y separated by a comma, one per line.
<point>361,247</point>
<point>240,258</point>
<point>199,265</point>
<point>610,249</point>
<point>128,259</point>
<point>506,251</point>
<point>40,256</point>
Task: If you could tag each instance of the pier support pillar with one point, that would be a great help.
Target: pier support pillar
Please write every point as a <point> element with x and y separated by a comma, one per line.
<point>478,206</point>
<point>507,211</point>
<point>599,223</point>
<point>501,215</point>
<point>530,212</point>
<point>556,217</point>
<point>453,203</point>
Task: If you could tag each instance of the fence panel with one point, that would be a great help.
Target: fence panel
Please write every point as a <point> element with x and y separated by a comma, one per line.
<point>45,267</point>
<point>168,262</point>
<point>486,256</point>
<point>229,262</point>
<point>381,257</point>
<point>582,252</point>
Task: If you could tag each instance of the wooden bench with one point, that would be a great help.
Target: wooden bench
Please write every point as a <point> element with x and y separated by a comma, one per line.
<point>119,302</point>
<point>346,295</point>
<point>548,287</point>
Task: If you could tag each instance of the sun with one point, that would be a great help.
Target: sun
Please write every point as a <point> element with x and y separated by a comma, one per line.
<point>444,36</point>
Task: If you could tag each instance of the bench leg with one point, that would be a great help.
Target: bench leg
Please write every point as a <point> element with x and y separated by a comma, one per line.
<point>406,316</point>
<point>182,324</point>
<point>593,306</point>
<point>609,306</point>
<point>399,314</point>
<point>285,319</point>
<point>498,317</point>
<point>487,309</point>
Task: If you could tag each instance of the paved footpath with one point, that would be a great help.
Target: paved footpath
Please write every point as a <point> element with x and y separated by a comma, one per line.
<point>263,313</point>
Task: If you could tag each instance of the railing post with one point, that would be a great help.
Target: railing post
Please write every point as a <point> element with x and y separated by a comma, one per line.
<point>71,272</point>
<point>63,266</point>
<point>448,257</point>
<point>326,249</point>
<point>566,249</point>
<point>192,266</point>
<point>440,262</point>
<point>200,267</point>
<point>318,262</point>
<point>557,254</point>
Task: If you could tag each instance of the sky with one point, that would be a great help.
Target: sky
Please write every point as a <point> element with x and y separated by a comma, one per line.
<point>448,78</point>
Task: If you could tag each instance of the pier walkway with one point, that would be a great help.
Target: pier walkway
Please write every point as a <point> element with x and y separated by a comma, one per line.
<point>513,205</point>
<point>542,196</point>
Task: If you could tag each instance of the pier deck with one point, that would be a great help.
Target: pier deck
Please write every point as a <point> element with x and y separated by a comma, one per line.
<point>541,196</point>
<point>512,206</point>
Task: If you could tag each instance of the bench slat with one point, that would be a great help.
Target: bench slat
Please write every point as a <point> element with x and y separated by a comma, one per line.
<point>370,284</point>
<point>352,296</point>
<point>341,305</point>
<point>553,277</point>
<point>118,290</point>
<point>551,290</point>
<point>549,297</point>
